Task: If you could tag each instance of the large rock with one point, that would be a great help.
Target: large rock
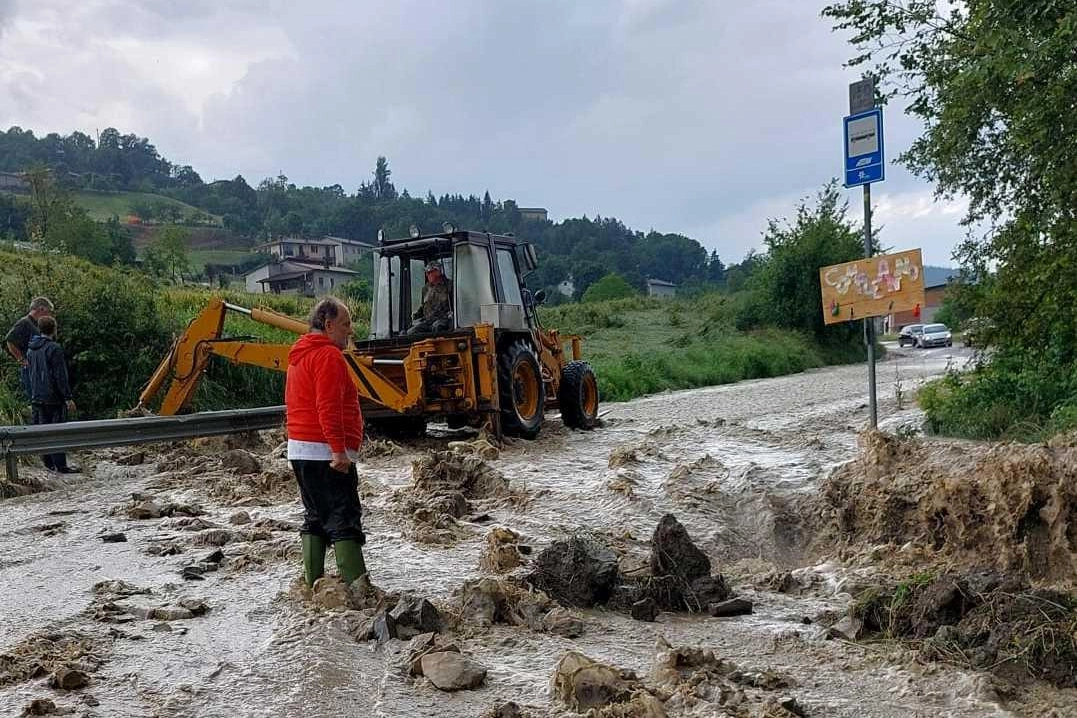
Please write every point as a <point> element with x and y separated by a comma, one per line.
<point>242,462</point>
<point>501,552</point>
<point>414,615</point>
<point>674,554</point>
<point>450,671</point>
<point>704,591</point>
<point>214,537</point>
<point>847,629</point>
<point>507,710</point>
<point>384,627</point>
<point>69,679</point>
<point>583,683</point>
<point>576,572</point>
<point>560,622</point>
<point>239,518</point>
<point>644,610</point>
<point>143,510</point>
<point>40,707</point>
<point>423,644</point>
<point>330,593</point>
<point>479,601</point>
<point>732,607</point>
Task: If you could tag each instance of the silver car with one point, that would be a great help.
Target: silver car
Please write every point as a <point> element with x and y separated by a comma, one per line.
<point>935,335</point>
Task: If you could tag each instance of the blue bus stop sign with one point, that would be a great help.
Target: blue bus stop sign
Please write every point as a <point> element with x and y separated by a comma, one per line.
<point>864,159</point>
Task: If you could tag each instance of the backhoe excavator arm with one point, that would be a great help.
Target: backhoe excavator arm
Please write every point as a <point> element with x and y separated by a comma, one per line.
<point>190,354</point>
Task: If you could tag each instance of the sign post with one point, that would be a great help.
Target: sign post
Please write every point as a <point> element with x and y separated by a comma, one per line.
<point>865,163</point>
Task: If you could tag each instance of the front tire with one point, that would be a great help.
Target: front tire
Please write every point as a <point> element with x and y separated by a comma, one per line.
<point>578,396</point>
<point>522,394</point>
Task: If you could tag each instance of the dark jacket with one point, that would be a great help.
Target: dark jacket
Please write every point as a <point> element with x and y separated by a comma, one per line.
<point>48,372</point>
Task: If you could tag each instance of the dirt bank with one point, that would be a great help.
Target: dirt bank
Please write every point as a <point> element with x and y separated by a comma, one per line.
<point>1012,507</point>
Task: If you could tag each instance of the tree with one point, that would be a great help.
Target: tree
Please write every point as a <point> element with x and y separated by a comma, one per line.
<point>611,286</point>
<point>48,202</point>
<point>382,188</point>
<point>168,252</point>
<point>738,275</point>
<point>584,274</point>
<point>119,242</point>
<point>993,82</point>
<point>785,288</point>
<point>76,234</point>
<point>715,268</point>
<point>14,213</point>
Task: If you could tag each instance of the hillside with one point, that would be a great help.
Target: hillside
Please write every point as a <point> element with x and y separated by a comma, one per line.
<point>103,205</point>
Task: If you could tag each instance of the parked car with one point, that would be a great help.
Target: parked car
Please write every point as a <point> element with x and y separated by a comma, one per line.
<point>935,335</point>
<point>909,334</point>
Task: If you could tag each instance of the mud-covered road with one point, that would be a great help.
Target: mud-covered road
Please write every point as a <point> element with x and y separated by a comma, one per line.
<point>729,462</point>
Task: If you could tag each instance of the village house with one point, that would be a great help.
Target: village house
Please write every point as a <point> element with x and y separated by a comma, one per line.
<point>305,276</point>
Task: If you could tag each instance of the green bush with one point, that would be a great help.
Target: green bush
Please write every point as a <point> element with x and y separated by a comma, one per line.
<point>612,286</point>
<point>107,323</point>
<point>1009,398</point>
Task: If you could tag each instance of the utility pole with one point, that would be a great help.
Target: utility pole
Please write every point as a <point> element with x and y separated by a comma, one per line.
<point>864,164</point>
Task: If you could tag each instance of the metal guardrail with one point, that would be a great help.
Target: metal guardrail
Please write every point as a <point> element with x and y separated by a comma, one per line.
<point>49,438</point>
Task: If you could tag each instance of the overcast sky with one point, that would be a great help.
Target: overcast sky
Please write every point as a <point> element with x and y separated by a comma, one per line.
<point>704,117</point>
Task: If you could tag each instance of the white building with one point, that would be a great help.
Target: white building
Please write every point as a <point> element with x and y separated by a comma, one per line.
<point>335,251</point>
<point>660,288</point>
<point>298,276</point>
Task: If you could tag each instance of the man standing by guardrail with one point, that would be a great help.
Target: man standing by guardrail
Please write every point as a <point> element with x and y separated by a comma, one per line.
<point>18,338</point>
<point>50,391</point>
<point>325,431</point>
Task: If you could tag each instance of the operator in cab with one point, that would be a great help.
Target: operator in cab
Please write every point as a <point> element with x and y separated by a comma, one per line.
<point>434,314</point>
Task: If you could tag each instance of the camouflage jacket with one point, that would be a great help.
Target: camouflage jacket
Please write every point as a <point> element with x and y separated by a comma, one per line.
<point>436,303</point>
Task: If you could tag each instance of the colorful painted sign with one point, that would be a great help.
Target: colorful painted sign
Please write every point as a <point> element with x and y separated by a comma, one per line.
<point>872,287</point>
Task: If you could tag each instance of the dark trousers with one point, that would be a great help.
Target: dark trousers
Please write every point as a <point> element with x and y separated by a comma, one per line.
<point>330,501</point>
<point>51,414</point>
<point>428,326</point>
<point>24,381</point>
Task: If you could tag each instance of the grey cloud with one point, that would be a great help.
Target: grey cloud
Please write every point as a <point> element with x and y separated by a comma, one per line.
<point>682,115</point>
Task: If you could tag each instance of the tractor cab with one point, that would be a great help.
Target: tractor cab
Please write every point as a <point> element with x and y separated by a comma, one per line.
<point>484,276</point>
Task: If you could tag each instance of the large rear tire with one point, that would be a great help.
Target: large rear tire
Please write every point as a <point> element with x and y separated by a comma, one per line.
<point>578,396</point>
<point>523,396</point>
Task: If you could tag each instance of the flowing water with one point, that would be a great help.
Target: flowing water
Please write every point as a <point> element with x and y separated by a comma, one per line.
<point>729,462</point>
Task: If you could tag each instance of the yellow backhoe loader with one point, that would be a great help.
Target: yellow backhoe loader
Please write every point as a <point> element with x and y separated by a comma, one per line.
<point>494,364</point>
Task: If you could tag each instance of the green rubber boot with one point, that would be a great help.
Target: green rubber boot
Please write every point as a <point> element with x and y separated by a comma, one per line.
<point>350,561</point>
<point>313,558</point>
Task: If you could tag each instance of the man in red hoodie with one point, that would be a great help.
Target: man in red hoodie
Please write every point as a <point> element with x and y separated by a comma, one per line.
<point>325,431</point>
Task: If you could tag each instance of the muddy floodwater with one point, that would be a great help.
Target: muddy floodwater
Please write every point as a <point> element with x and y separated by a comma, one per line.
<point>235,638</point>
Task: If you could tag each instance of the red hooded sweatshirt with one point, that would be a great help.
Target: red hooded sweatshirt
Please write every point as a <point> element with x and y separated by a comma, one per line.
<point>322,402</point>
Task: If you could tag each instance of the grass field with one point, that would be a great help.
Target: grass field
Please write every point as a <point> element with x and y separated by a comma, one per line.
<point>103,205</point>
<point>645,345</point>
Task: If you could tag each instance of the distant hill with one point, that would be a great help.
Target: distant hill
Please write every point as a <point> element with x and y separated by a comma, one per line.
<point>934,276</point>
